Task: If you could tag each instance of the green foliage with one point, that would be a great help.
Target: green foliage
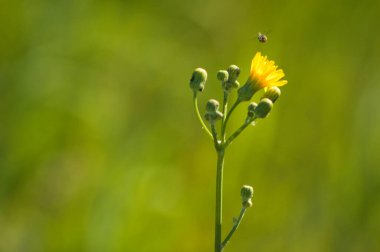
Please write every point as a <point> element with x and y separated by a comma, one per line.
<point>100,149</point>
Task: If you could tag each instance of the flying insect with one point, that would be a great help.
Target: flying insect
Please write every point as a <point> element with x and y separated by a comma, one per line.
<point>262,37</point>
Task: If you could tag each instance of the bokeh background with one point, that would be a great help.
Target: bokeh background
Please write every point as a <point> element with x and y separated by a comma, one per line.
<point>100,149</point>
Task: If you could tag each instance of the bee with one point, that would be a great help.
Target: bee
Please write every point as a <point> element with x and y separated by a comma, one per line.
<point>262,38</point>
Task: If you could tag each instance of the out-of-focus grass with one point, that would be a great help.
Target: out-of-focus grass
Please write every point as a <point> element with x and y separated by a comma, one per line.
<point>100,149</point>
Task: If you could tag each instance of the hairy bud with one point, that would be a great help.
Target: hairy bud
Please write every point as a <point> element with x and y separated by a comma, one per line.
<point>263,108</point>
<point>198,80</point>
<point>272,94</point>
<point>246,193</point>
<point>222,75</point>
<point>212,113</point>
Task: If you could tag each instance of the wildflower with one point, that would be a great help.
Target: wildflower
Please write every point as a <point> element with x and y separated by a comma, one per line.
<point>264,74</point>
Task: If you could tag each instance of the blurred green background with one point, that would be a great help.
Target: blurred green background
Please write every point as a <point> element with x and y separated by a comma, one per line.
<point>100,149</point>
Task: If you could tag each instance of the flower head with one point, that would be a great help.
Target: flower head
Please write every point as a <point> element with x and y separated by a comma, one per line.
<point>263,74</point>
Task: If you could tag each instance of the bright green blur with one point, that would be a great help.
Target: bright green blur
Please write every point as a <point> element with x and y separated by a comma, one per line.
<point>100,149</point>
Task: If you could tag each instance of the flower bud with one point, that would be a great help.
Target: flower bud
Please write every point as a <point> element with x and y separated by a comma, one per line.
<point>233,72</point>
<point>246,193</point>
<point>272,93</point>
<point>228,85</point>
<point>251,109</point>
<point>213,116</point>
<point>231,83</point>
<point>212,113</point>
<point>235,84</point>
<point>198,80</point>
<point>212,105</point>
<point>222,75</point>
<point>247,203</point>
<point>263,108</point>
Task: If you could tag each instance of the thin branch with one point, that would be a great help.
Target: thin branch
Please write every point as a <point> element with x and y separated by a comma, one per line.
<point>228,117</point>
<point>199,115</point>
<point>225,106</point>
<point>215,136</point>
<point>238,131</point>
<point>235,226</point>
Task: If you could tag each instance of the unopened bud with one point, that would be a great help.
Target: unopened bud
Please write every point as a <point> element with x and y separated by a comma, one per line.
<point>272,93</point>
<point>251,109</point>
<point>222,75</point>
<point>211,117</point>
<point>263,108</point>
<point>198,80</point>
<point>233,72</point>
<point>212,105</point>
<point>235,84</point>
<point>246,193</point>
<point>212,113</point>
<point>231,83</point>
<point>247,203</point>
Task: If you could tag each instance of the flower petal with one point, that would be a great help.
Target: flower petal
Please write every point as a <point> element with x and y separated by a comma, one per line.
<point>265,72</point>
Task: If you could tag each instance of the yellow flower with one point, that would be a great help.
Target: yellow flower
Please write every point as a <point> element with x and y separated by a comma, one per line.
<point>264,74</point>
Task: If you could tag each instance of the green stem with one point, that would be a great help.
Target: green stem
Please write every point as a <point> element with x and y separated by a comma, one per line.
<point>219,177</point>
<point>228,117</point>
<point>238,131</point>
<point>215,136</point>
<point>195,100</point>
<point>235,134</point>
<point>236,225</point>
<point>225,105</point>
<point>218,205</point>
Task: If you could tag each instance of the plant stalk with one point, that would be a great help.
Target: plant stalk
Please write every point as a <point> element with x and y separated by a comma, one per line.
<point>236,225</point>
<point>195,102</point>
<point>225,120</point>
<point>218,205</point>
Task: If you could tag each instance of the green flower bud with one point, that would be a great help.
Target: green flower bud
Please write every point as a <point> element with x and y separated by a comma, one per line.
<point>214,116</point>
<point>228,85</point>
<point>233,72</point>
<point>212,113</point>
<point>212,105</point>
<point>251,109</point>
<point>246,193</point>
<point>272,94</point>
<point>198,80</point>
<point>247,203</point>
<point>222,75</point>
<point>236,84</point>
<point>231,82</point>
<point>263,108</point>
